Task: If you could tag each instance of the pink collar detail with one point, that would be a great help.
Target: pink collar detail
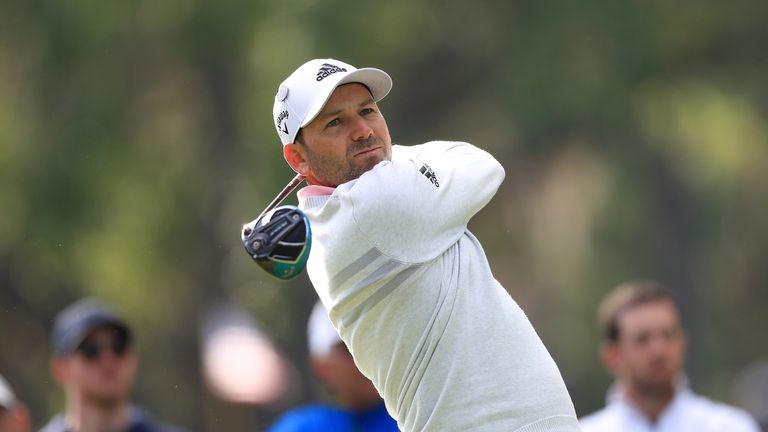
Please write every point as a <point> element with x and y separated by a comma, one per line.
<point>314,190</point>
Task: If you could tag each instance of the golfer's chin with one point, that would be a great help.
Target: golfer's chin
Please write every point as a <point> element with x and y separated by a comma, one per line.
<point>367,160</point>
<point>661,384</point>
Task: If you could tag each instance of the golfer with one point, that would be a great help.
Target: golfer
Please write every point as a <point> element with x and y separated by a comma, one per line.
<point>407,286</point>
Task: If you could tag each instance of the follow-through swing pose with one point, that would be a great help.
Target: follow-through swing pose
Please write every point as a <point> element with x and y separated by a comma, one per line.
<point>406,284</point>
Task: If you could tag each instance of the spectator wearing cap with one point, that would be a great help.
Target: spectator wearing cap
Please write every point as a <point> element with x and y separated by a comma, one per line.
<point>356,406</point>
<point>95,363</point>
<point>14,415</point>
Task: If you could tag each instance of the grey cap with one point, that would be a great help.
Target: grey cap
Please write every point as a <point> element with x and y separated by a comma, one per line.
<point>73,324</point>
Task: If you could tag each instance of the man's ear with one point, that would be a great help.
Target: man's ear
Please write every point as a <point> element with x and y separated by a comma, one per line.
<point>295,155</point>
<point>611,356</point>
<point>59,369</point>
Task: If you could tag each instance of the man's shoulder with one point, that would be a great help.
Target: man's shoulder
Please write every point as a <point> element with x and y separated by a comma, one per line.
<point>410,163</point>
<point>141,421</point>
<point>716,412</point>
<point>416,149</point>
<point>604,419</point>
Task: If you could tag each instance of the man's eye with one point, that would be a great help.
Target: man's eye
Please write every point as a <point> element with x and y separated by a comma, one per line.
<point>334,122</point>
<point>366,111</point>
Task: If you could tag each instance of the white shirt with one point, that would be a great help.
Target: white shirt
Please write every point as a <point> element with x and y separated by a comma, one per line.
<point>687,412</point>
<point>411,293</point>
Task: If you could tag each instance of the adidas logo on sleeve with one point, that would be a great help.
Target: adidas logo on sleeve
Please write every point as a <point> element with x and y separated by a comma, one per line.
<point>429,173</point>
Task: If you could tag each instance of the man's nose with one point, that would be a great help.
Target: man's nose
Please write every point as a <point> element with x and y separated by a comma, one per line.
<point>361,130</point>
<point>659,344</point>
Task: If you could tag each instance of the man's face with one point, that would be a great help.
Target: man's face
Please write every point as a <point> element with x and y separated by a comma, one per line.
<point>651,347</point>
<point>347,138</point>
<point>102,369</point>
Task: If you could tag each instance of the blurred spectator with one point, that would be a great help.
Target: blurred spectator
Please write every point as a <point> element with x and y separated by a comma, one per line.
<point>95,363</point>
<point>357,407</point>
<point>644,348</point>
<point>14,415</point>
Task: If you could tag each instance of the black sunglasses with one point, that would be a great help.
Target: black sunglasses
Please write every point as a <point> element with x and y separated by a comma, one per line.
<point>91,349</point>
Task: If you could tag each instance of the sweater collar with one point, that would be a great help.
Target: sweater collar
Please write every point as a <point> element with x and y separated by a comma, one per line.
<point>314,190</point>
<point>313,196</point>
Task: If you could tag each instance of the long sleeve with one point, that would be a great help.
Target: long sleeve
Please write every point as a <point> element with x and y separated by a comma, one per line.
<point>416,206</point>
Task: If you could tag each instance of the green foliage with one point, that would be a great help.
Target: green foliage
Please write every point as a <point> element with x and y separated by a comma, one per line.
<point>136,138</point>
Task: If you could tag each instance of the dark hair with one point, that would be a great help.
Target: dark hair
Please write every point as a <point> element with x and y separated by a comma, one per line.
<point>627,296</point>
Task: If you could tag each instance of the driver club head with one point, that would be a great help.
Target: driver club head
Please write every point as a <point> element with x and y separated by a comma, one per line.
<point>279,241</point>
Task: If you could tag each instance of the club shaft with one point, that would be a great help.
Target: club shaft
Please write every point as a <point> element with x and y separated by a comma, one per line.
<point>293,184</point>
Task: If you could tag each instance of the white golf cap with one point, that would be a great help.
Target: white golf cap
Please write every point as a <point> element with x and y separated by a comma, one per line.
<point>304,93</point>
<point>7,398</point>
<point>321,333</point>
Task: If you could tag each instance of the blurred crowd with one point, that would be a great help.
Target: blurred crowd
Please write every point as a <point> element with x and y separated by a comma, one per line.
<point>94,360</point>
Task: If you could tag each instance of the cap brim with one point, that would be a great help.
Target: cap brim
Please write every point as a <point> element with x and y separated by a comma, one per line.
<point>378,82</point>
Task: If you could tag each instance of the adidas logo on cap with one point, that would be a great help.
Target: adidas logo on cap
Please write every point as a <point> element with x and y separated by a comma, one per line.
<point>327,69</point>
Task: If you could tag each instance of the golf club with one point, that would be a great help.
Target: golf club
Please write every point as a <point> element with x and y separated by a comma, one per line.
<point>293,184</point>
<point>279,239</point>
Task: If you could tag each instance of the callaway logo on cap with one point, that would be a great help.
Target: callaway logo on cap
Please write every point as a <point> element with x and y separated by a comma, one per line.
<point>304,93</point>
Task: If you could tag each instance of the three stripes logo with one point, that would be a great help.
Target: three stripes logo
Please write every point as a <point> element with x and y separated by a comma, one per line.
<point>328,69</point>
<point>429,173</point>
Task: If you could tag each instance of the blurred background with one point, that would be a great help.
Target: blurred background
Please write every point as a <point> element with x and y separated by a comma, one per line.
<point>136,138</point>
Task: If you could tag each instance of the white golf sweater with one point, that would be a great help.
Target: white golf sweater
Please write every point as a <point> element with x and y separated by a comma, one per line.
<point>412,295</point>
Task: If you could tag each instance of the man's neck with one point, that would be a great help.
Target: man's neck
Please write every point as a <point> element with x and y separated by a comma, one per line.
<point>651,404</point>
<point>91,417</point>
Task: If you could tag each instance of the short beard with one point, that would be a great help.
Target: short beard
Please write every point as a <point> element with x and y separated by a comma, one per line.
<point>655,391</point>
<point>325,171</point>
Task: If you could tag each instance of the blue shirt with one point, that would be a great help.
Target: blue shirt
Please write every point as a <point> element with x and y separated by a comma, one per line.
<point>328,418</point>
